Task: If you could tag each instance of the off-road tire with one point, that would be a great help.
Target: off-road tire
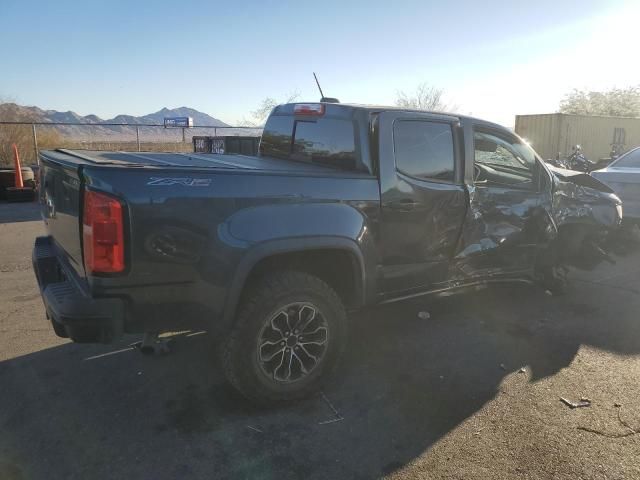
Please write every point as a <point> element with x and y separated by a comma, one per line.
<point>239,350</point>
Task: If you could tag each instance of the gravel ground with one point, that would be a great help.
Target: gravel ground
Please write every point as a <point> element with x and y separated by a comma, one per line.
<point>471,392</point>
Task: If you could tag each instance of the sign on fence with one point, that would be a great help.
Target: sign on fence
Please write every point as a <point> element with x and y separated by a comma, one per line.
<point>184,122</point>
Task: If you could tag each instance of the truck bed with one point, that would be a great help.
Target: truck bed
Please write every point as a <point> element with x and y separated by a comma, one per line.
<point>190,160</point>
<point>189,221</point>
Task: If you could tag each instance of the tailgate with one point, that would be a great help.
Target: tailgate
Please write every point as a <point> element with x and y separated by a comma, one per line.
<point>60,206</point>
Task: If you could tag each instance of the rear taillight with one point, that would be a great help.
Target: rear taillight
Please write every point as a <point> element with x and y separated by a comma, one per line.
<point>315,109</point>
<point>102,233</point>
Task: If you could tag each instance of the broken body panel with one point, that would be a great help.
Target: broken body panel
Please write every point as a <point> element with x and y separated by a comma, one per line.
<point>537,232</point>
<point>472,232</point>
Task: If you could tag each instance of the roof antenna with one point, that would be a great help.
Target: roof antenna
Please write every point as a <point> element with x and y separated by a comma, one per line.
<point>323,98</point>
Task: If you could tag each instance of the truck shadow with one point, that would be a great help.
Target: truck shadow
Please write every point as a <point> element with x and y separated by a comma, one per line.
<point>77,411</point>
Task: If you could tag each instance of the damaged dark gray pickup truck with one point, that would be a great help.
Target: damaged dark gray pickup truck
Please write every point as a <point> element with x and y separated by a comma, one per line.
<point>345,206</point>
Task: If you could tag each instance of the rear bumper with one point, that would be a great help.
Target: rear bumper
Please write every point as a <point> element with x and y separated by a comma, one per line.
<point>72,311</point>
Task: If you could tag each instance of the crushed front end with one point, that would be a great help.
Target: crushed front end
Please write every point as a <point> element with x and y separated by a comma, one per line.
<point>586,216</point>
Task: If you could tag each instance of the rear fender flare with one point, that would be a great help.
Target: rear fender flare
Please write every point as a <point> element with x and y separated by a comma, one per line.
<point>292,245</point>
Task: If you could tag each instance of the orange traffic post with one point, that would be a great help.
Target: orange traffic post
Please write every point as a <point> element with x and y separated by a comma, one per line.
<point>18,179</point>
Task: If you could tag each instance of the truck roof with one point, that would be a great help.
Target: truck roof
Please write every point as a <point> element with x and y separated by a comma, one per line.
<point>384,108</point>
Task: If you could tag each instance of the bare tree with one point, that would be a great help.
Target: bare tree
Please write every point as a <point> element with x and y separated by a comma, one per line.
<point>425,97</point>
<point>617,102</point>
<point>260,114</point>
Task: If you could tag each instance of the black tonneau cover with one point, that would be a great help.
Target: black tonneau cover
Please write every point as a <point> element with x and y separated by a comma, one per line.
<point>197,160</point>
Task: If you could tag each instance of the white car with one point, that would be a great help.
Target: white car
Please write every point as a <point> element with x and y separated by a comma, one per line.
<point>623,176</point>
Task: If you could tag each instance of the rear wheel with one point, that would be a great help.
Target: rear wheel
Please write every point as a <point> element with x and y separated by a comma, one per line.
<point>289,334</point>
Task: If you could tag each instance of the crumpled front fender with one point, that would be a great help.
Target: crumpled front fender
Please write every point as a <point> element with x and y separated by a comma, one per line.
<point>586,212</point>
<point>578,198</point>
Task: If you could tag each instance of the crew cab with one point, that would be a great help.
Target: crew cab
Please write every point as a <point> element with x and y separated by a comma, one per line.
<point>344,206</point>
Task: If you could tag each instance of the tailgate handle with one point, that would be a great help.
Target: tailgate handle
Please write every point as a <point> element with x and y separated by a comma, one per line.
<point>51,208</point>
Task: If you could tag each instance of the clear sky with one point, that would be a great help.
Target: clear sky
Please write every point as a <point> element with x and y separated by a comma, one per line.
<point>494,59</point>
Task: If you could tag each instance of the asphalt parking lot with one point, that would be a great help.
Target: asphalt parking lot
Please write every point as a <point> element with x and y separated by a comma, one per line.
<point>471,392</point>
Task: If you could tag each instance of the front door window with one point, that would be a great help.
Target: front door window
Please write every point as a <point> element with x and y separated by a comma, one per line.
<point>503,161</point>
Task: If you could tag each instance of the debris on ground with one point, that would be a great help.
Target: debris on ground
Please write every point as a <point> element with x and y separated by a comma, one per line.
<point>337,416</point>
<point>522,370</point>
<point>254,429</point>
<point>502,366</point>
<point>423,315</point>
<point>584,402</point>
<point>630,430</point>
<point>153,344</point>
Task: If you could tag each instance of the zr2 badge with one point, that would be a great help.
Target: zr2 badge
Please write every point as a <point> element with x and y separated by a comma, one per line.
<point>184,181</point>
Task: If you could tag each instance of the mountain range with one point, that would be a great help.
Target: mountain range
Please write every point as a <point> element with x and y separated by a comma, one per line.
<point>98,131</point>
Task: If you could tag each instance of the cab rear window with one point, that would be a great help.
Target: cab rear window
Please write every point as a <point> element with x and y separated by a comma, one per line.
<point>326,141</point>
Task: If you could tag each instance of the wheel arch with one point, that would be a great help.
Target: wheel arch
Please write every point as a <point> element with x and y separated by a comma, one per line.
<point>292,251</point>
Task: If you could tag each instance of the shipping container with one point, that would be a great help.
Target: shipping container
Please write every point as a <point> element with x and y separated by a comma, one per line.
<point>244,145</point>
<point>557,133</point>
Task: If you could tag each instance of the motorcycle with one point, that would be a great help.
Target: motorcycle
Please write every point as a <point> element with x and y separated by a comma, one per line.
<point>558,162</point>
<point>579,162</point>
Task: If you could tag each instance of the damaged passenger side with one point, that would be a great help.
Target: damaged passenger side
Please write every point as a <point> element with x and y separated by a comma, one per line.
<point>526,220</point>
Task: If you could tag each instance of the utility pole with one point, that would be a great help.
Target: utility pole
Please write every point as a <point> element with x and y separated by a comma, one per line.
<point>138,136</point>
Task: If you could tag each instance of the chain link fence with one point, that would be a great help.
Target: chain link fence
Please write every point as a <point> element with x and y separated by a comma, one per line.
<point>30,137</point>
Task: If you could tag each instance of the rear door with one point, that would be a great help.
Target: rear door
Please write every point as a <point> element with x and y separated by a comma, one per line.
<point>423,199</point>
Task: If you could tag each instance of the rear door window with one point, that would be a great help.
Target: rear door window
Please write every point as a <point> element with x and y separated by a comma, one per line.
<point>424,149</point>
